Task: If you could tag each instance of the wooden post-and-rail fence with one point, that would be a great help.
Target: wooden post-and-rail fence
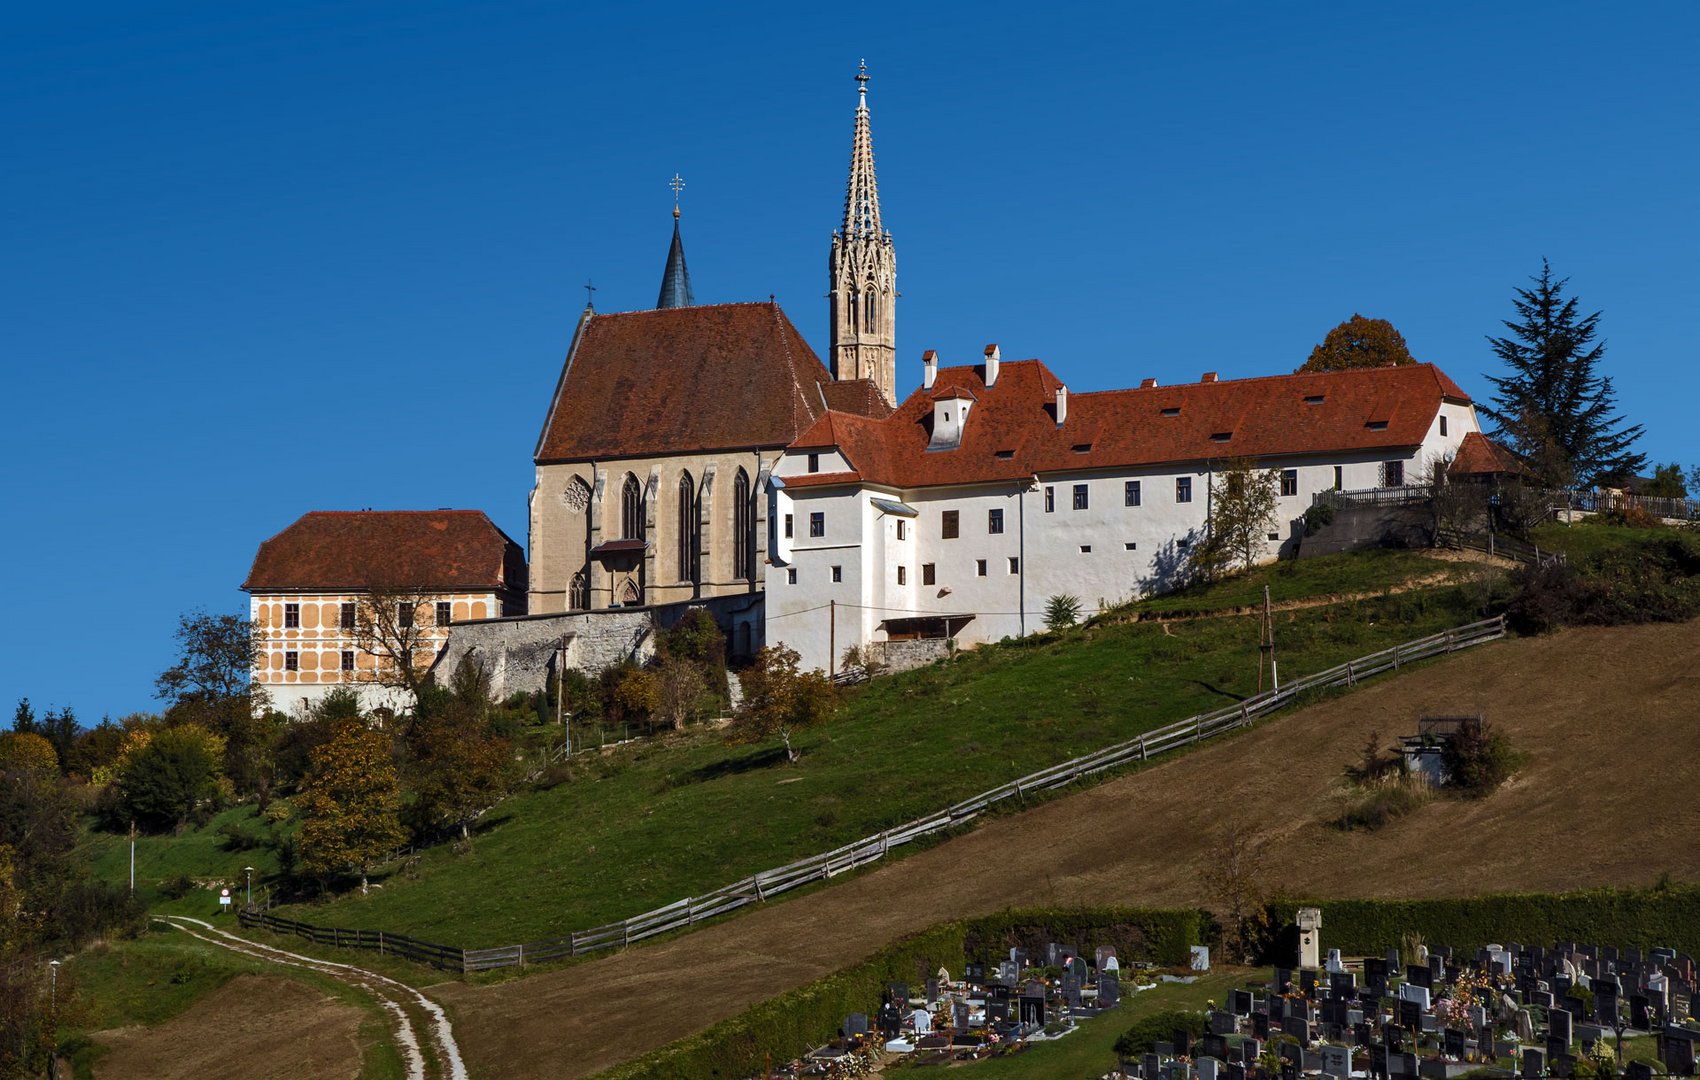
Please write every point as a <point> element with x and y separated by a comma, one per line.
<point>757,888</point>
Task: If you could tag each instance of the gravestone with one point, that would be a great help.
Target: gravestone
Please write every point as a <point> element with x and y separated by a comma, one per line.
<point>890,1021</point>
<point>1410,1014</point>
<point>1534,1063</point>
<point>1410,992</point>
<point>1478,1018</point>
<point>1239,1002</point>
<point>1406,1063</point>
<point>1559,1026</point>
<point>1289,1052</point>
<point>1277,1008</point>
<point>997,1005</point>
<point>1213,1046</point>
<point>1555,1047</point>
<point>1101,954</point>
<point>1149,1066</point>
<point>959,1015</point>
<point>1392,960</point>
<point>1032,1005</point>
<point>1419,975</point>
<point>1452,1043</point>
<point>1207,1068</point>
<point>1431,1069</point>
<point>1019,956</point>
<point>1071,991</point>
<point>932,991</point>
<point>1375,976</point>
<point>1008,972</point>
<point>1606,994</point>
<point>1260,1025</point>
<point>1164,1049</point>
<point>974,974</point>
<point>1222,1023</point>
<point>923,1021</point>
<point>1289,1069</point>
<point>1377,1061</point>
<point>1236,1071</point>
<point>1562,1066</point>
<point>1640,1015</point>
<point>1283,980</point>
<point>855,1024</point>
<point>1543,998</point>
<point>1297,1028</point>
<point>1307,982</point>
<point>1362,1034</point>
<point>1183,1042</point>
<point>1200,957</point>
<point>1638,1070</point>
<point>1334,964</point>
<point>1111,964</point>
<point>1342,984</point>
<point>1109,990</point>
<point>898,992</point>
<point>1251,1050</point>
<point>1337,1062</point>
<point>1677,1051</point>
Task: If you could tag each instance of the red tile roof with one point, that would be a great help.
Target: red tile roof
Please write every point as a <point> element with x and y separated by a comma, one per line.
<point>435,549</point>
<point>1479,455</point>
<point>689,379</point>
<point>1265,417</point>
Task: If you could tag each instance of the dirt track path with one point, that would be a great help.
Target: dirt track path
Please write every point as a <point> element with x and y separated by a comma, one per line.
<point>399,1000</point>
<point>1610,719</point>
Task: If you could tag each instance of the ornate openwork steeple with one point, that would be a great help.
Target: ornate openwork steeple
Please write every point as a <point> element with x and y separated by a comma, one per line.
<point>676,279</point>
<point>863,270</point>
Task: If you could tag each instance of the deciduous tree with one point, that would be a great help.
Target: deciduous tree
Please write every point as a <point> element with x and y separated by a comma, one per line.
<point>1243,499</point>
<point>1553,406</point>
<point>779,699</point>
<point>1359,343</point>
<point>1667,483</point>
<point>456,766</point>
<point>173,776</point>
<point>349,804</point>
<point>396,626</point>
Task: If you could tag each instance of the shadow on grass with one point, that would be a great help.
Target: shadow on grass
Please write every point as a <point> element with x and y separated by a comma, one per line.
<point>1217,690</point>
<point>733,766</point>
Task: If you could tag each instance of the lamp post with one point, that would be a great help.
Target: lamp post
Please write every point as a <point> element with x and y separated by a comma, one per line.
<point>249,870</point>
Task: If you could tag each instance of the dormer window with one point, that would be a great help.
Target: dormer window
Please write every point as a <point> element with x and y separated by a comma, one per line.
<point>1005,455</point>
<point>1221,436</point>
<point>1313,399</point>
<point>1377,425</point>
<point>1172,411</point>
<point>950,417</point>
<point>814,463</point>
<point>1083,448</point>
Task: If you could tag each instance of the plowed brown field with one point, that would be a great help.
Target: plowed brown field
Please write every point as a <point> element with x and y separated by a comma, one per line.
<point>1610,720</point>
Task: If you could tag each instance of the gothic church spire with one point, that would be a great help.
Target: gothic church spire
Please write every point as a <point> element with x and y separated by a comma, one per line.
<point>863,269</point>
<point>676,279</point>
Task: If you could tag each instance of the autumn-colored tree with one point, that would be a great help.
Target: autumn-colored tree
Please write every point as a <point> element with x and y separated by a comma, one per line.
<point>635,697</point>
<point>172,775</point>
<point>779,699</point>
<point>1359,343</point>
<point>349,804</point>
<point>680,691</point>
<point>396,626</point>
<point>456,766</point>
<point>27,752</point>
<point>1243,499</point>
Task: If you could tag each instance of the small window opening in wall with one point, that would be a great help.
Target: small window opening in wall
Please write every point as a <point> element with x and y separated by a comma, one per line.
<point>903,575</point>
<point>1274,536</point>
<point>346,620</point>
<point>1339,478</point>
<point>817,523</point>
<point>929,574</point>
<point>1184,542</point>
<point>902,528</point>
<point>788,526</point>
<point>979,568</point>
<point>1130,546</point>
<point>445,612</point>
<point>950,524</point>
<point>1130,493</point>
<point>1080,496</point>
<point>1183,489</point>
<point>1014,565</point>
<point>994,520</point>
<point>1086,549</point>
<point>1050,499</point>
<point>1086,447</point>
<point>348,659</point>
<point>1377,425</point>
<point>791,575</point>
<point>291,661</point>
<point>1289,481</point>
<point>1005,454</point>
<point>1221,436</point>
<point>291,616</point>
<point>1172,411</point>
<point>404,615</point>
<point>1443,427</point>
<point>814,463</point>
<point>838,573</point>
<point>1313,399</point>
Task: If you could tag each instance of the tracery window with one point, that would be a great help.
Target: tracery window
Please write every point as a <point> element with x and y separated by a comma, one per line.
<point>743,529</point>
<point>687,529</point>
<point>631,509</point>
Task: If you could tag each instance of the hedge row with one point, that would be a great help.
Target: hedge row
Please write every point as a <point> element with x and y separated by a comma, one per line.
<point>786,1025</point>
<point>1642,918</point>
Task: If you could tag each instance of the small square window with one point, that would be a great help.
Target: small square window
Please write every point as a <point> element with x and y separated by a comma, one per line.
<point>1130,546</point>
<point>348,659</point>
<point>979,568</point>
<point>1289,481</point>
<point>814,463</point>
<point>929,574</point>
<point>1274,536</point>
<point>788,526</point>
<point>445,613</point>
<point>994,520</point>
<point>791,575</point>
<point>1014,565</point>
<point>1080,496</point>
<point>1050,499</point>
<point>950,524</point>
<point>903,575</point>
<point>291,616</point>
<point>347,615</point>
<point>1183,489</point>
<point>1086,549</point>
<point>817,523</point>
<point>838,573</point>
<point>292,661</point>
<point>1130,493</point>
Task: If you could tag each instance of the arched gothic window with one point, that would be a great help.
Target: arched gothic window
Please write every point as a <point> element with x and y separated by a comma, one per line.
<point>871,309</point>
<point>578,593</point>
<point>687,529</point>
<point>743,529</point>
<point>855,313</point>
<point>631,509</point>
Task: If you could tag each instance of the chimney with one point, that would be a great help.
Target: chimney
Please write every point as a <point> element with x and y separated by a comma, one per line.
<point>1209,376</point>
<point>992,358</point>
<point>1147,384</point>
<point>1062,405</point>
<point>929,368</point>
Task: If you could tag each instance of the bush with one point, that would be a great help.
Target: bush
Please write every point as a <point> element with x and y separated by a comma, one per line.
<point>176,888</point>
<point>1148,1031</point>
<point>1390,798</point>
<point>1062,610</point>
<point>1317,518</point>
<point>1479,759</point>
<point>174,778</point>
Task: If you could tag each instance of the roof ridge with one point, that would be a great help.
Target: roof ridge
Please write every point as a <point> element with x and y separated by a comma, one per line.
<point>1430,367</point>
<point>358,513</point>
<point>681,307</point>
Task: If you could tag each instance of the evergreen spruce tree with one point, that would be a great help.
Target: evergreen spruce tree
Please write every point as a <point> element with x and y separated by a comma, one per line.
<point>1554,407</point>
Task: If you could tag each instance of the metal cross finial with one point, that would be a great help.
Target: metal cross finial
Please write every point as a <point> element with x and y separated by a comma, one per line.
<point>588,289</point>
<point>862,79</point>
<point>677,185</point>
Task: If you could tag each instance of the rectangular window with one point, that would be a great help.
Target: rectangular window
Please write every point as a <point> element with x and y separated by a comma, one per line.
<point>1443,427</point>
<point>291,616</point>
<point>838,573</point>
<point>791,575</point>
<point>1289,481</point>
<point>1274,536</point>
<point>404,615</point>
<point>445,613</point>
<point>1392,473</point>
<point>292,661</point>
<point>1339,478</point>
<point>788,526</point>
<point>928,574</point>
<point>347,614</point>
<point>1130,493</point>
<point>817,523</point>
<point>1014,565</point>
<point>1086,549</point>
<point>1080,496</point>
<point>994,520</point>
<point>1050,499</point>
<point>979,568</point>
<point>348,659</point>
<point>903,575</point>
<point>1183,489</point>
<point>814,463</point>
<point>950,524</point>
<point>902,529</point>
<point>1130,546</point>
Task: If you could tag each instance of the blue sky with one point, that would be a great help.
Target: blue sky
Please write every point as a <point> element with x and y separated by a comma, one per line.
<point>261,259</point>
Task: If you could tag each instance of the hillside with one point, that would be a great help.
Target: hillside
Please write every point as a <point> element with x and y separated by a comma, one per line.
<point>669,818</point>
<point>1602,800</point>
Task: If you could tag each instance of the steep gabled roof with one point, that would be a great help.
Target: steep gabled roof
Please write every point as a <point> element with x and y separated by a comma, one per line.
<point>688,379</point>
<point>1479,455</point>
<point>436,549</point>
<point>1013,431</point>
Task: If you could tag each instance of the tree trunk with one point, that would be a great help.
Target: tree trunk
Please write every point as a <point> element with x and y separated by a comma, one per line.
<point>362,881</point>
<point>464,834</point>
<point>790,754</point>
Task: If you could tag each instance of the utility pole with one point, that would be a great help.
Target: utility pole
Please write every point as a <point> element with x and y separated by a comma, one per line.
<point>832,638</point>
<point>132,856</point>
<point>561,715</point>
<point>1266,644</point>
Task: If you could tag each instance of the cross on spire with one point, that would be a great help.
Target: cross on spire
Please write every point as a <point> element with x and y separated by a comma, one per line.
<point>588,289</point>
<point>678,185</point>
<point>862,79</point>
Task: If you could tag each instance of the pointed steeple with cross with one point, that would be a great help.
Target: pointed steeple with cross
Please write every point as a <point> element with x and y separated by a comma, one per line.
<point>863,268</point>
<point>676,279</point>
